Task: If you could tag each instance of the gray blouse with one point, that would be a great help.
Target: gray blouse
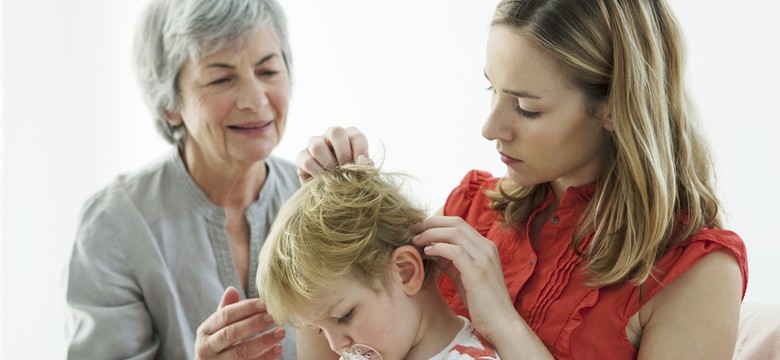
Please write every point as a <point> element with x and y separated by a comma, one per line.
<point>151,260</point>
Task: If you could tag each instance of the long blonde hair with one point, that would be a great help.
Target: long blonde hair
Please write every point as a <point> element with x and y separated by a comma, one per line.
<point>344,222</point>
<point>656,188</point>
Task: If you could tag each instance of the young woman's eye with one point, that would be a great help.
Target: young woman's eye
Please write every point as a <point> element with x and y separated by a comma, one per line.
<point>348,316</point>
<point>490,88</point>
<point>528,114</point>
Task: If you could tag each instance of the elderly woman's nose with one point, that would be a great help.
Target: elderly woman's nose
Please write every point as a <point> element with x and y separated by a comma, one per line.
<point>253,95</point>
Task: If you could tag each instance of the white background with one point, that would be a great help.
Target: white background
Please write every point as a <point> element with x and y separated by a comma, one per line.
<point>407,72</point>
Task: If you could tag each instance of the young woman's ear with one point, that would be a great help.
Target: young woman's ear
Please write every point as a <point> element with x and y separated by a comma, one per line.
<point>407,269</point>
<point>608,123</point>
<point>606,116</point>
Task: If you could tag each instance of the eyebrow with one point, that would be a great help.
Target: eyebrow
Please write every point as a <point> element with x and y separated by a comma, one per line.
<point>228,66</point>
<point>519,93</point>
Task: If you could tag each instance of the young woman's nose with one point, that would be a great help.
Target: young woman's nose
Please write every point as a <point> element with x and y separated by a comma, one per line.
<point>495,125</point>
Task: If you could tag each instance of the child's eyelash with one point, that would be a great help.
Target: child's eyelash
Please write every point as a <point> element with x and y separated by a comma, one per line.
<point>345,319</point>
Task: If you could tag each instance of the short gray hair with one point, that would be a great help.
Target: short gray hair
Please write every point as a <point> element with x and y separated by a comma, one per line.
<point>173,31</point>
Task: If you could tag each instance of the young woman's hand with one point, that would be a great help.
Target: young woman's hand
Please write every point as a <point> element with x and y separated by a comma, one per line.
<point>335,147</point>
<point>472,264</point>
<point>235,331</point>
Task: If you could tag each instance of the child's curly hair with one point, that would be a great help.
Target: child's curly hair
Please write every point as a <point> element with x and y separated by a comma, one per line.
<point>345,221</point>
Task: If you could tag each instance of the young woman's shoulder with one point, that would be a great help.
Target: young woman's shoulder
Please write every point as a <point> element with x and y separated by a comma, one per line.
<point>469,199</point>
<point>701,285</point>
<point>684,257</point>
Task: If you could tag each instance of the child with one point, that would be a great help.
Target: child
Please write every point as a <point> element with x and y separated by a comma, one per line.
<point>339,259</point>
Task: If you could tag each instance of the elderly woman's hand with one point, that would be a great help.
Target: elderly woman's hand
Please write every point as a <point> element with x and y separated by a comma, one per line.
<point>335,147</point>
<point>234,331</point>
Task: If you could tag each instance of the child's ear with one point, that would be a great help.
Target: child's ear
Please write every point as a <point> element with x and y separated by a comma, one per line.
<point>407,268</point>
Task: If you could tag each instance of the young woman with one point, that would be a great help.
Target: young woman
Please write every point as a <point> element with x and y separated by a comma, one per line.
<point>603,240</point>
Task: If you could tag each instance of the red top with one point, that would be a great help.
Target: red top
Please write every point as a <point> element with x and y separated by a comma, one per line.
<point>544,285</point>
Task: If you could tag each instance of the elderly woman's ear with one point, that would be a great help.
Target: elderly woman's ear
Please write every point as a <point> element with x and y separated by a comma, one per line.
<point>173,118</point>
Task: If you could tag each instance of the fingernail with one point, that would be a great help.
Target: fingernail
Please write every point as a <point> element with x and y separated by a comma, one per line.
<point>427,249</point>
<point>361,159</point>
<point>277,349</point>
<point>279,333</point>
<point>415,238</point>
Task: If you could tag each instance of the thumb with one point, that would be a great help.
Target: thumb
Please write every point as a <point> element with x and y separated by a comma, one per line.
<point>231,296</point>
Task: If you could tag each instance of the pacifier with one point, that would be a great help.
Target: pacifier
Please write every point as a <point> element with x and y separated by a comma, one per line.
<point>360,352</point>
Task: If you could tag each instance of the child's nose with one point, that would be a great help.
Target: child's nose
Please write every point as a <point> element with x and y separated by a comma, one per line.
<point>339,341</point>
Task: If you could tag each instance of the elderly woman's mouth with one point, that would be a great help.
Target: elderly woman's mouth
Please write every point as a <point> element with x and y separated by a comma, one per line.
<point>250,127</point>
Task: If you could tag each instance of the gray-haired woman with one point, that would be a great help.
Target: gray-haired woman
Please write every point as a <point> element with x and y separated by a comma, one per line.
<point>157,248</point>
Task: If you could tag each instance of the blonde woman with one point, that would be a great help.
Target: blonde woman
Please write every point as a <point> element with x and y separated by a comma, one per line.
<point>339,259</point>
<point>603,240</point>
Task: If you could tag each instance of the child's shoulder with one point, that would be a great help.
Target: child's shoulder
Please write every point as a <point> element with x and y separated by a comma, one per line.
<point>469,344</point>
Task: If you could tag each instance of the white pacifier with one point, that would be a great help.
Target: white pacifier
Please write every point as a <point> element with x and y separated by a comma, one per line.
<point>360,352</point>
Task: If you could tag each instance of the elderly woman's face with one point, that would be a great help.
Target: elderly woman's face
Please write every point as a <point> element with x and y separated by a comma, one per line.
<point>234,103</point>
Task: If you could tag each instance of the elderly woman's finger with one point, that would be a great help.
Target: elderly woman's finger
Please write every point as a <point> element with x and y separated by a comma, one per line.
<point>358,144</point>
<point>230,324</point>
<point>264,346</point>
<point>307,166</point>
<point>320,149</point>
<point>230,296</point>
<point>340,144</point>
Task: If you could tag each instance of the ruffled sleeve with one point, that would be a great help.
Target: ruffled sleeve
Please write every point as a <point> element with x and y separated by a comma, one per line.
<point>681,258</point>
<point>469,201</point>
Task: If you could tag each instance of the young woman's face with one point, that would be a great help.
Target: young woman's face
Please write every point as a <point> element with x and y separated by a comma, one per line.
<point>539,121</point>
<point>352,313</point>
<point>234,102</point>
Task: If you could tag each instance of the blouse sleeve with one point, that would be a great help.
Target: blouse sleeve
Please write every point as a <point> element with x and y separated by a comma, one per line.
<point>470,202</point>
<point>105,312</point>
<point>681,258</point>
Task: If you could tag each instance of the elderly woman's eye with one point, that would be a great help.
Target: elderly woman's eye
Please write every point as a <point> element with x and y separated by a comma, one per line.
<point>267,73</point>
<point>219,81</point>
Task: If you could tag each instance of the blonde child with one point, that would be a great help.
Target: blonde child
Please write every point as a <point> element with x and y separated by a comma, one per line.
<point>340,259</point>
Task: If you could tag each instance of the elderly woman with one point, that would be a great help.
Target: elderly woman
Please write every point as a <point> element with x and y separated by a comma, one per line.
<point>157,248</point>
